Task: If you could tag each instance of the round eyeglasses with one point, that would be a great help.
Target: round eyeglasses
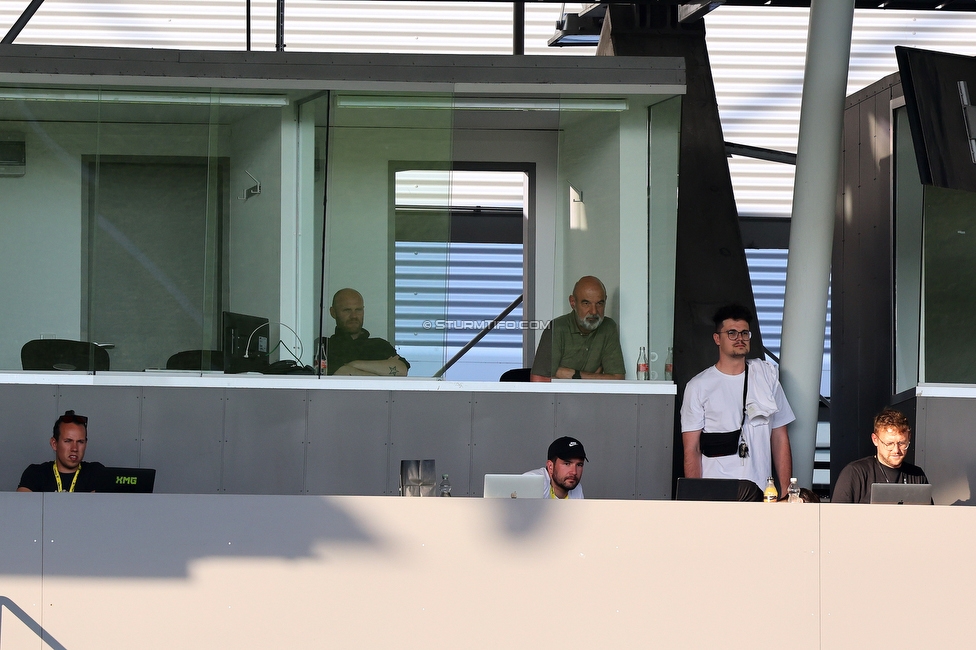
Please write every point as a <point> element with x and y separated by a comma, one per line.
<point>903,445</point>
<point>735,335</point>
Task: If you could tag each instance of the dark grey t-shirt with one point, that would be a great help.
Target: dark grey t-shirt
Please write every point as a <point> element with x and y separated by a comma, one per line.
<point>854,483</point>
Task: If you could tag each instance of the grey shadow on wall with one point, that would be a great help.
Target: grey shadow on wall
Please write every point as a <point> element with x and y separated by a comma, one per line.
<point>29,623</point>
<point>971,479</point>
<point>159,536</point>
<point>521,518</point>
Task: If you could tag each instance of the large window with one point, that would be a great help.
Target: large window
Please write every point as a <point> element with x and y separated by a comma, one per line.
<point>202,230</point>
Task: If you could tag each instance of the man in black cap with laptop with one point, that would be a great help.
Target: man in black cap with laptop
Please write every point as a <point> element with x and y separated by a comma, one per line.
<point>564,469</point>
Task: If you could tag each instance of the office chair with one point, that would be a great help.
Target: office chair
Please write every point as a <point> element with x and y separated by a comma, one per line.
<point>193,360</point>
<point>516,374</point>
<point>63,354</point>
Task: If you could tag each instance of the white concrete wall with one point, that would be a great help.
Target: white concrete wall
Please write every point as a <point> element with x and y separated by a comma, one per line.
<point>153,571</point>
<point>589,160</point>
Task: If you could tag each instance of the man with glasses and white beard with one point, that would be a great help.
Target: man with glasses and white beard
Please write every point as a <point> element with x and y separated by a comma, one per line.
<point>734,414</point>
<point>892,436</point>
<point>583,344</point>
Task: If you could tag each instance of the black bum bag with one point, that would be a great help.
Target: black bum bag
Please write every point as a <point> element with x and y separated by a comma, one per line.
<point>719,444</point>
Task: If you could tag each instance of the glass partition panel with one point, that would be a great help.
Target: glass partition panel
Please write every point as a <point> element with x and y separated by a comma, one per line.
<point>154,196</point>
<point>204,230</point>
<point>484,265</point>
<point>160,212</point>
<point>949,284</point>
<point>907,256</point>
<point>388,234</point>
<point>610,216</point>
<point>44,133</point>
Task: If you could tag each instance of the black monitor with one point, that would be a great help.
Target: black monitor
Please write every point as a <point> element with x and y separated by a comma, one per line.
<point>245,342</point>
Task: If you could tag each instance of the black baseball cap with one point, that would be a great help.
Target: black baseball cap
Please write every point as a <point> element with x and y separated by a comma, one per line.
<point>566,448</point>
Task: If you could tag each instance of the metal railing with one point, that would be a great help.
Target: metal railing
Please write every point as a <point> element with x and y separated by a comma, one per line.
<point>480,335</point>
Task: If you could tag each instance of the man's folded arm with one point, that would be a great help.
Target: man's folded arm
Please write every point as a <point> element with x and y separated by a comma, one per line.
<point>392,367</point>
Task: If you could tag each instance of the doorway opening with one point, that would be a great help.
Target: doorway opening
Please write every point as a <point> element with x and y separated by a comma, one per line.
<point>459,261</point>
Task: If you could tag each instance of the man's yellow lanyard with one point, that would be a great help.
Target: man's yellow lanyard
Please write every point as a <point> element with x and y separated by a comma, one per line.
<point>552,493</point>
<point>57,479</point>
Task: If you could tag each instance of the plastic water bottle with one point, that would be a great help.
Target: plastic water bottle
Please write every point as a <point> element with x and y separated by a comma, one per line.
<point>669,365</point>
<point>643,370</point>
<point>323,359</point>
<point>770,494</point>
<point>793,492</point>
<point>445,486</point>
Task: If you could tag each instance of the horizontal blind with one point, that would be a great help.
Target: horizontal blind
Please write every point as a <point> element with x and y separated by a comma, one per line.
<point>468,189</point>
<point>447,292</point>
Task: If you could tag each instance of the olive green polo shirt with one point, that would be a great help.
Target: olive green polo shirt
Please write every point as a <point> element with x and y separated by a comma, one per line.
<point>562,344</point>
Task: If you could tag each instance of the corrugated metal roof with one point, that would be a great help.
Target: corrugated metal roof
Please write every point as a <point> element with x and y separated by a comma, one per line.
<point>757,53</point>
<point>757,57</point>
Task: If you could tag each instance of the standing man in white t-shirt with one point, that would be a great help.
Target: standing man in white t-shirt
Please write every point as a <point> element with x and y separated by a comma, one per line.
<point>564,469</point>
<point>734,414</point>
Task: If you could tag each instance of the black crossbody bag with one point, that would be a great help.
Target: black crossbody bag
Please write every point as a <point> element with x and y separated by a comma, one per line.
<point>725,444</point>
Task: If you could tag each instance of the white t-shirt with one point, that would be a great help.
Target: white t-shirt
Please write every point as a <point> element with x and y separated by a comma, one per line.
<point>575,493</point>
<point>713,403</point>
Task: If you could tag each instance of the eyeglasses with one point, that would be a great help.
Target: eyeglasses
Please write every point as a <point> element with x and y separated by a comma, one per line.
<point>735,335</point>
<point>70,417</point>
<point>891,445</point>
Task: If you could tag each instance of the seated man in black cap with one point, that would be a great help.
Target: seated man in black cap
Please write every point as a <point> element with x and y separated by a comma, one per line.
<point>67,472</point>
<point>564,469</point>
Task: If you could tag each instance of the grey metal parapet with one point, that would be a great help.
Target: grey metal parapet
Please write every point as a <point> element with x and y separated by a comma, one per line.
<point>425,72</point>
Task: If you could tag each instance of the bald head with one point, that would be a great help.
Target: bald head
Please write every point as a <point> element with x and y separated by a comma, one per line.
<point>589,283</point>
<point>348,311</point>
<point>588,300</point>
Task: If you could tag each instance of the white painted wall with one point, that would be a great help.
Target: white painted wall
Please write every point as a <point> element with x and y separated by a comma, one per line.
<point>224,571</point>
<point>252,258</point>
<point>40,240</point>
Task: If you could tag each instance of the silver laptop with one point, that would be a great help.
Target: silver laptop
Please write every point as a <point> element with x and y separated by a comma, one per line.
<point>902,493</point>
<point>515,486</point>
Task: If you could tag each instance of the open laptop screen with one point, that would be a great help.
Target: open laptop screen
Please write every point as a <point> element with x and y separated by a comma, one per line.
<point>515,486</point>
<point>901,493</point>
<point>127,479</point>
<point>707,489</point>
